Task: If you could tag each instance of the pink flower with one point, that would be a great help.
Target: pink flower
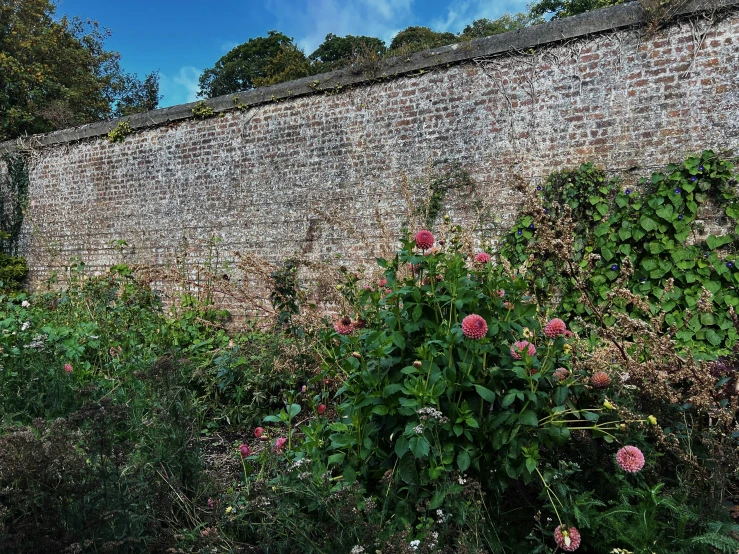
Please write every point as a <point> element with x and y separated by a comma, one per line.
<point>520,347</point>
<point>344,326</point>
<point>561,373</point>
<point>245,450</point>
<point>567,538</point>
<point>555,328</point>
<point>321,409</point>
<point>68,368</point>
<point>482,258</point>
<point>630,459</point>
<point>303,388</point>
<point>501,293</point>
<point>259,433</point>
<point>424,239</point>
<point>508,305</point>
<point>382,282</point>
<point>567,334</point>
<point>474,327</point>
<point>279,444</point>
<point>115,352</point>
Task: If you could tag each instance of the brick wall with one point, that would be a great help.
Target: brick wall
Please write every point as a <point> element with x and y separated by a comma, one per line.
<point>322,175</point>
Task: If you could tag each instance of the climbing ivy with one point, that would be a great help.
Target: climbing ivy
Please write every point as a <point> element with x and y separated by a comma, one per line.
<point>448,176</point>
<point>654,226</point>
<point>13,200</point>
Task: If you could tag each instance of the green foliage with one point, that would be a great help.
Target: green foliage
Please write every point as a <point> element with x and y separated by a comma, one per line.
<point>559,9</point>
<point>337,52</point>
<point>56,74</point>
<point>505,23</point>
<point>651,228</point>
<point>415,39</point>
<point>448,176</point>
<point>201,110</point>
<point>120,132</point>
<point>257,60</point>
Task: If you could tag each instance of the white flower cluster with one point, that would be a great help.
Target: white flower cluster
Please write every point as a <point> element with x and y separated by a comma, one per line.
<point>431,413</point>
<point>418,429</point>
<point>415,544</point>
<point>37,343</point>
<point>357,550</point>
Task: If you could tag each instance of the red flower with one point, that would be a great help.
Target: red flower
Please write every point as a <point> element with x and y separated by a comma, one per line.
<point>245,450</point>
<point>424,239</point>
<point>259,433</point>
<point>482,258</point>
<point>555,328</point>
<point>280,444</point>
<point>520,347</point>
<point>474,327</point>
<point>344,326</point>
<point>630,459</point>
<point>321,409</point>
<point>68,368</point>
<point>567,538</point>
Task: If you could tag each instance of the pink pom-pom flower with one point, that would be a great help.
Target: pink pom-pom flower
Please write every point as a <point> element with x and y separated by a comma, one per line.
<point>474,327</point>
<point>68,368</point>
<point>521,346</point>
<point>567,538</point>
<point>259,433</point>
<point>245,451</point>
<point>555,328</point>
<point>630,459</point>
<point>482,258</point>
<point>424,239</point>
<point>561,373</point>
<point>280,444</point>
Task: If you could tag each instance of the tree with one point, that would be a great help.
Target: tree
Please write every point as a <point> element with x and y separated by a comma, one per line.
<point>137,97</point>
<point>507,22</point>
<point>55,74</point>
<point>416,39</point>
<point>338,52</point>
<point>256,62</point>
<point>566,8</point>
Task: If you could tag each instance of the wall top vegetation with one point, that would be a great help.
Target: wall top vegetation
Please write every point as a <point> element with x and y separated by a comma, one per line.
<point>598,21</point>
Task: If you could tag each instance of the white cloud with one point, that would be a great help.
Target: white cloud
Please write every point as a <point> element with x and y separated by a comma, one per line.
<point>180,88</point>
<point>312,20</point>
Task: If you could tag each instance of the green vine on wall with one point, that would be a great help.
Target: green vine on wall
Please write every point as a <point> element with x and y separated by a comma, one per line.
<point>450,175</point>
<point>644,229</point>
<point>13,202</point>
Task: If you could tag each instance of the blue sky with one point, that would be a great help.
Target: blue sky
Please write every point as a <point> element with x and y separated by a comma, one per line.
<point>181,38</point>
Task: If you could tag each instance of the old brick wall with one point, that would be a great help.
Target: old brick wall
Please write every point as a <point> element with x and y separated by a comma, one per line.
<point>322,175</point>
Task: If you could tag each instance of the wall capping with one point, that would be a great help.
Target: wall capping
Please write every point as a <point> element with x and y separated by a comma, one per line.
<point>598,21</point>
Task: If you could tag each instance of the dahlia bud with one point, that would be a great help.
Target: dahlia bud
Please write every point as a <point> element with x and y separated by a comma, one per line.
<point>356,355</point>
<point>321,409</point>
<point>417,364</point>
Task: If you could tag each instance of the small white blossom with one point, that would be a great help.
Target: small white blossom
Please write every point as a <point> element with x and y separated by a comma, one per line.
<point>357,550</point>
<point>415,544</point>
<point>25,325</point>
<point>25,303</point>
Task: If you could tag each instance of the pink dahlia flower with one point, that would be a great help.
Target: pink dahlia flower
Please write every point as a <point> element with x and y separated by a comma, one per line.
<point>630,459</point>
<point>482,258</point>
<point>501,293</point>
<point>567,538</point>
<point>520,347</point>
<point>280,444</point>
<point>424,239</point>
<point>474,327</point>
<point>344,326</point>
<point>382,282</point>
<point>259,433</point>
<point>555,328</point>
<point>321,409</point>
<point>245,451</point>
<point>68,368</point>
<point>561,373</point>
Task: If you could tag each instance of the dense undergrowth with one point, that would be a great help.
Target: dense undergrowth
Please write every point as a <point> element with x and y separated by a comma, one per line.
<point>555,396</point>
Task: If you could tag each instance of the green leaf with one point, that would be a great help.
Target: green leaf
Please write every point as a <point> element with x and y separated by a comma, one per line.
<point>560,395</point>
<point>401,446</point>
<point>407,470</point>
<point>437,499</point>
<point>380,410</point>
<point>647,223</point>
<point>337,458</point>
<point>272,419</point>
<point>531,464</point>
<point>486,394</point>
<point>419,446</point>
<point>463,460</point>
<point>293,410</point>
<point>528,417</point>
<point>714,242</point>
<point>606,253</point>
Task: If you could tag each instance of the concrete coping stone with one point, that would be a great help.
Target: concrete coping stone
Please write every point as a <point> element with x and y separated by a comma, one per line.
<point>594,22</point>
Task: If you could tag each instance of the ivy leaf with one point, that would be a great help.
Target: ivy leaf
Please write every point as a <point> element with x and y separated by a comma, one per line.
<point>647,223</point>
<point>714,242</point>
